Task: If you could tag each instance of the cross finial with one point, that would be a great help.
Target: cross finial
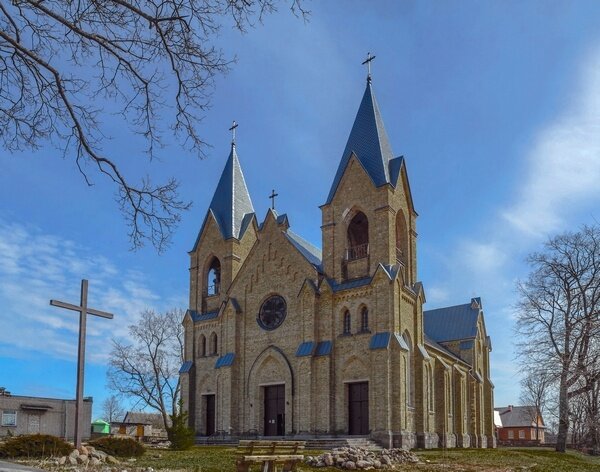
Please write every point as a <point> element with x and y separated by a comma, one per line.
<point>232,129</point>
<point>367,61</point>
<point>272,197</point>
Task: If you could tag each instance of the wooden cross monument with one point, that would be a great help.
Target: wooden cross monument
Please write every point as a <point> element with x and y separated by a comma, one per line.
<point>83,312</point>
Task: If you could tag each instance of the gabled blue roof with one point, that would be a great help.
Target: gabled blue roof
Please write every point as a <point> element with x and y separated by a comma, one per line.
<point>451,323</point>
<point>186,367</point>
<point>323,348</point>
<point>305,349</point>
<point>311,253</point>
<point>231,204</point>
<point>369,141</point>
<point>225,361</point>
<point>211,315</point>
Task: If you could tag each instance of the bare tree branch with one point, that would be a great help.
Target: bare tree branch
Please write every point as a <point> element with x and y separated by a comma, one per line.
<point>148,369</point>
<point>62,62</point>
<point>558,317</point>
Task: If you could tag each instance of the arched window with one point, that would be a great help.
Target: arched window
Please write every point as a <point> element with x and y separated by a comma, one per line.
<point>201,346</point>
<point>358,237</point>
<point>430,398</point>
<point>364,319</point>
<point>449,394</point>
<point>409,374</point>
<point>213,277</point>
<point>213,344</point>
<point>401,239</point>
<point>347,323</point>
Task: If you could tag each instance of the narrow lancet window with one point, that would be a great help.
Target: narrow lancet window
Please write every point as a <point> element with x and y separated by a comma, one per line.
<point>364,320</point>
<point>213,344</point>
<point>347,323</point>
<point>202,346</point>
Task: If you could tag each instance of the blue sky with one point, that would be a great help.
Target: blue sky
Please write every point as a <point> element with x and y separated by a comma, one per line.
<point>495,105</point>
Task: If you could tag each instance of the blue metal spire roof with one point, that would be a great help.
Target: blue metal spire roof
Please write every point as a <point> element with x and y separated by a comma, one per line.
<point>369,141</point>
<point>231,201</point>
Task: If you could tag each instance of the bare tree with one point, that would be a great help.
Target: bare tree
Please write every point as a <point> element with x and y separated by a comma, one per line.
<point>535,388</point>
<point>62,62</point>
<point>585,401</point>
<point>147,369</point>
<point>558,313</point>
<point>112,409</point>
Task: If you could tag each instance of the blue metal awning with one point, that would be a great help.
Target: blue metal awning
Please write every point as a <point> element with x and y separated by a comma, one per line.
<point>225,361</point>
<point>305,349</point>
<point>380,341</point>
<point>323,348</point>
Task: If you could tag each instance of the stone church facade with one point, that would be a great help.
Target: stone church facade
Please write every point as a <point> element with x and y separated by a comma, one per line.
<point>283,339</point>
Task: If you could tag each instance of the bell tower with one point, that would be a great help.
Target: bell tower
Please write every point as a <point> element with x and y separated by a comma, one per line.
<point>369,218</point>
<point>227,234</point>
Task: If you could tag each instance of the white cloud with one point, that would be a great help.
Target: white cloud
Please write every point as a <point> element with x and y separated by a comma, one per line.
<point>482,258</point>
<point>561,180</point>
<point>437,295</point>
<point>35,267</point>
<point>564,163</point>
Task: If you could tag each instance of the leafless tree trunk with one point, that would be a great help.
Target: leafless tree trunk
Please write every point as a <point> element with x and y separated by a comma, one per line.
<point>534,392</point>
<point>147,369</point>
<point>558,313</point>
<point>63,62</point>
<point>112,409</point>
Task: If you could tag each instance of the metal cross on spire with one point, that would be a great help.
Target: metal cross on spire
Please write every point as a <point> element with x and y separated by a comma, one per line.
<point>367,61</point>
<point>232,129</point>
<point>272,197</point>
<point>83,312</point>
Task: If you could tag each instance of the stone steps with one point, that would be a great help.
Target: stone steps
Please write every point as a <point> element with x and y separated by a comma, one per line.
<point>320,443</point>
<point>332,443</point>
<point>217,441</point>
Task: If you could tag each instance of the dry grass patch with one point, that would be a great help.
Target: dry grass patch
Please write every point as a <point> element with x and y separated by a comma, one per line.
<point>222,459</point>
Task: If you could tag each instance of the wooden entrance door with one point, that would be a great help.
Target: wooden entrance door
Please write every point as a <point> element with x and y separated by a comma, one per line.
<point>358,408</point>
<point>210,414</point>
<point>275,410</point>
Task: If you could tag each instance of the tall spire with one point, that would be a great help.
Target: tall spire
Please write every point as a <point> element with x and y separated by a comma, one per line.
<point>231,202</point>
<point>368,141</point>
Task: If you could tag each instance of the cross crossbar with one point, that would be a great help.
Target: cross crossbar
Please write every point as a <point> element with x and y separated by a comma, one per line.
<point>90,311</point>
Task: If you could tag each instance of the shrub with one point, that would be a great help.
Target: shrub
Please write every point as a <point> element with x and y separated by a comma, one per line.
<point>181,436</point>
<point>35,445</point>
<point>119,447</point>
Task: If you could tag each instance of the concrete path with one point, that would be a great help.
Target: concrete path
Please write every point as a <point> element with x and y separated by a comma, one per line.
<point>12,467</point>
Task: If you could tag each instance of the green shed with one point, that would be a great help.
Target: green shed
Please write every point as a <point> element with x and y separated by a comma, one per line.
<point>101,426</point>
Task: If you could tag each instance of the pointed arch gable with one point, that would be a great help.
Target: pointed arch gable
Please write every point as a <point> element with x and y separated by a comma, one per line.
<point>354,368</point>
<point>209,219</point>
<point>400,175</point>
<point>277,354</point>
<point>306,269</point>
<point>353,159</point>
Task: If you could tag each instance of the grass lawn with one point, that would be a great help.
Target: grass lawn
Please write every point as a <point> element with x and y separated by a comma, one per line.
<point>222,459</point>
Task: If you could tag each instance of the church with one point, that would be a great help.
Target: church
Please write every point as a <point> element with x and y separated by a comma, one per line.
<point>285,339</point>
